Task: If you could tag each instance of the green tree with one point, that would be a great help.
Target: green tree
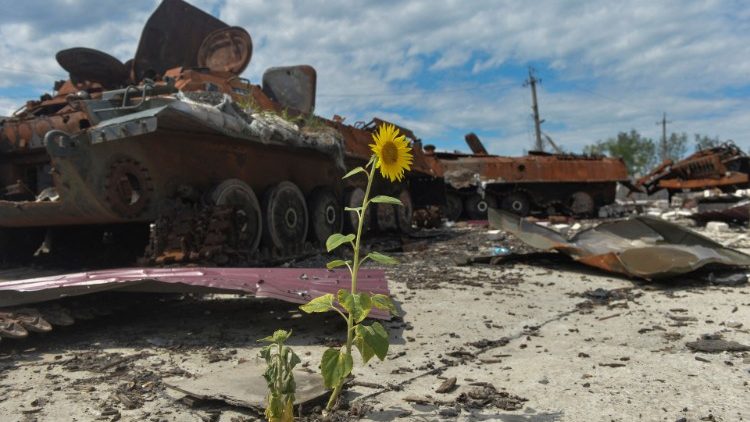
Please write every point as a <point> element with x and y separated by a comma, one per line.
<point>705,141</point>
<point>638,152</point>
<point>675,147</point>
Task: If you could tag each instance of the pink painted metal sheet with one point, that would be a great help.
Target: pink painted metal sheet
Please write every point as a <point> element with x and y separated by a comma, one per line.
<point>296,285</point>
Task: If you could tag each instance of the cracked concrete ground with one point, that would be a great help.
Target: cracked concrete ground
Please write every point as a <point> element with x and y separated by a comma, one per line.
<point>537,329</point>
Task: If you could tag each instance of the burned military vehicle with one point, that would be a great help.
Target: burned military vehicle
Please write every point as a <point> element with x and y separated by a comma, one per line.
<point>724,167</point>
<point>173,157</point>
<point>536,183</point>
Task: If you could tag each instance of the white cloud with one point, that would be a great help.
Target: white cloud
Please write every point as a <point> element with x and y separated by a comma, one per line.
<point>630,60</point>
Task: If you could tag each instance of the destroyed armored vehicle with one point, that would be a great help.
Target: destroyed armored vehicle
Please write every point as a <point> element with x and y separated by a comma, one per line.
<point>725,167</point>
<point>174,157</point>
<point>536,183</point>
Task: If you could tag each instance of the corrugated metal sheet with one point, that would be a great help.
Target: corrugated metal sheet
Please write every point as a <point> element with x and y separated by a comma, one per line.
<point>296,285</point>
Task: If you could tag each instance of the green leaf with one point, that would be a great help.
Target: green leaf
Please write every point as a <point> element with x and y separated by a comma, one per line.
<point>335,366</point>
<point>383,259</point>
<point>371,340</point>
<point>354,171</point>
<point>336,263</point>
<point>337,239</point>
<point>383,199</point>
<point>319,304</point>
<point>352,209</point>
<point>364,348</point>
<point>358,304</point>
<point>294,360</point>
<point>385,303</point>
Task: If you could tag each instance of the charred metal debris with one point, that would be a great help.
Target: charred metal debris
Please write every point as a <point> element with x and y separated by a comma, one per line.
<point>725,167</point>
<point>641,247</point>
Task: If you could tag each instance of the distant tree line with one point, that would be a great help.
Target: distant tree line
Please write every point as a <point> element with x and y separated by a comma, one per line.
<point>642,154</point>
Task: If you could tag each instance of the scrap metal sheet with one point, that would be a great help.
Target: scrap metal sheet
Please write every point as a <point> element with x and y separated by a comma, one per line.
<point>642,247</point>
<point>296,285</point>
<point>243,385</point>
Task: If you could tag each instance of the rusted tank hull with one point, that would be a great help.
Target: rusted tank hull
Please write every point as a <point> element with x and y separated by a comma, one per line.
<point>532,169</point>
<point>126,180</point>
<point>546,183</point>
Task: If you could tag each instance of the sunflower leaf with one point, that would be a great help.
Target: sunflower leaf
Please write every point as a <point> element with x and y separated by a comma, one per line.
<point>384,302</point>
<point>354,171</point>
<point>335,366</point>
<point>337,239</point>
<point>384,199</point>
<point>336,263</point>
<point>319,304</point>
<point>371,340</point>
<point>357,304</point>
<point>381,258</point>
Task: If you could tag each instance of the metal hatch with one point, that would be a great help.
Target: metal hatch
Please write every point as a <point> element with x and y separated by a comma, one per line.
<point>227,50</point>
<point>171,38</point>
<point>87,64</point>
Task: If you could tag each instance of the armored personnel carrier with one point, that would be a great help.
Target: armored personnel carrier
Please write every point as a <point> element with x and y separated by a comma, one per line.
<point>536,183</point>
<point>172,156</point>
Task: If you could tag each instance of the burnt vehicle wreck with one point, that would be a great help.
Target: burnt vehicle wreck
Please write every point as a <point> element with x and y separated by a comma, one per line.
<point>536,183</point>
<point>725,167</point>
<point>173,157</point>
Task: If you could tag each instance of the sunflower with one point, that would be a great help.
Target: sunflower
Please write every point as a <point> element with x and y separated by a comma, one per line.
<point>393,152</point>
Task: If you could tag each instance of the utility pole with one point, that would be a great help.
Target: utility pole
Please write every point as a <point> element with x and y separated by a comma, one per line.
<point>532,81</point>
<point>663,124</point>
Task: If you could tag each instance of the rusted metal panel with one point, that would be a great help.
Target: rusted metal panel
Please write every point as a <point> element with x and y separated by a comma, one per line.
<point>476,146</point>
<point>296,285</point>
<point>171,38</point>
<point>642,247</point>
<point>537,168</point>
<point>292,87</point>
<point>725,167</point>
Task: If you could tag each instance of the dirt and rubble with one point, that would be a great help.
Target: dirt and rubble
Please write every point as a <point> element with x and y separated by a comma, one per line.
<point>535,337</point>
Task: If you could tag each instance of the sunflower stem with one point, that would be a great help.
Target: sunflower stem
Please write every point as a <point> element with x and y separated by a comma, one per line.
<point>354,271</point>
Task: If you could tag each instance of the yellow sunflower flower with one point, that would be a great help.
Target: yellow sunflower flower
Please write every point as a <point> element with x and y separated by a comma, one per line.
<point>393,152</point>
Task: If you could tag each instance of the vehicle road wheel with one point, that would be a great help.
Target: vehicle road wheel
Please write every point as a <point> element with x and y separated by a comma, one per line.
<point>385,217</point>
<point>353,199</point>
<point>453,206</point>
<point>517,203</point>
<point>237,193</point>
<point>285,214</point>
<point>405,213</point>
<point>476,206</point>
<point>581,203</point>
<point>326,215</point>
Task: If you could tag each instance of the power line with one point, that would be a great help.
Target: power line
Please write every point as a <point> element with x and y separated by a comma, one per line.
<point>606,97</point>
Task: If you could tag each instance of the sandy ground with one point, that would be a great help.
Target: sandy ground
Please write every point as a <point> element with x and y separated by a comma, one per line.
<point>552,346</point>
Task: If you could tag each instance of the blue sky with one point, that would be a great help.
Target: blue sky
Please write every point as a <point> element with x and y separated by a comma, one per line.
<point>444,68</point>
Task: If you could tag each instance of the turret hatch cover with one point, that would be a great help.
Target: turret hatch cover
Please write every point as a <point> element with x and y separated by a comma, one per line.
<point>226,49</point>
<point>87,64</point>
